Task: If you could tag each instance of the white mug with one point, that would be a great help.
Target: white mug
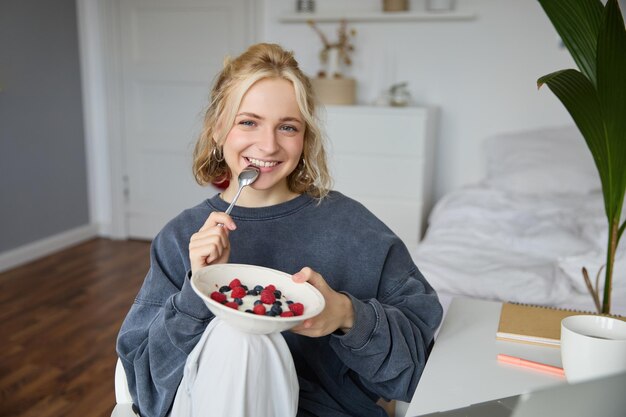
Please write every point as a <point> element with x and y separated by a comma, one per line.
<point>592,346</point>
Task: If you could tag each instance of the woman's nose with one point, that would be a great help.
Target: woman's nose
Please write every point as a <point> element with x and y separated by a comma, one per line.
<point>268,141</point>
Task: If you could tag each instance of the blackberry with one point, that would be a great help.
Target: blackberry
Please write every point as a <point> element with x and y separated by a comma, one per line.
<point>276,309</point>
<point>277,293</point>
<point>257,302</point>
<point>258,288</point>
<point>238,301</point>
<point>224,288</point>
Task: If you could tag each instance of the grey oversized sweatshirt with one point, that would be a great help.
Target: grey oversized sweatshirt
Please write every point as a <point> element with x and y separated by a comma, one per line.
<point>383,355</point>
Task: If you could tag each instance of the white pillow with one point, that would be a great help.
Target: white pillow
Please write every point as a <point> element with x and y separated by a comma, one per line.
<point>546,161</point>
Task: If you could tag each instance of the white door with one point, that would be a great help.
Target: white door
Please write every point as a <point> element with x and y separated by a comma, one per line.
<point>171,51</point>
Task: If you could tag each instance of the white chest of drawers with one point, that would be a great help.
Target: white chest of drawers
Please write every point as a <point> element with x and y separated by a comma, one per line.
<point>383,157</point>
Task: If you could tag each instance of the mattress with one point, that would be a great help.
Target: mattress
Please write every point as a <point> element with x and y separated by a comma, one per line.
<point>525,232</point>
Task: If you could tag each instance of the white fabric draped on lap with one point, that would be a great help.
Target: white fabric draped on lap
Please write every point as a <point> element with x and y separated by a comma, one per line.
<point>235,374</point>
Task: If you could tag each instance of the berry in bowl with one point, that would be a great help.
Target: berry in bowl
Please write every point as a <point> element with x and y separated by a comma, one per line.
<point>255,299</point>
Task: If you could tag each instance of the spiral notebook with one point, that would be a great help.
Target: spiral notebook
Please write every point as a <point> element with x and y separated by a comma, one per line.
<point>533,324</point>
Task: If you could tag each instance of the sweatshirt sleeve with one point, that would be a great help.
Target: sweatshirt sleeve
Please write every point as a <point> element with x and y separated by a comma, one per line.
<point>389,342</point>
<point>162,327</point>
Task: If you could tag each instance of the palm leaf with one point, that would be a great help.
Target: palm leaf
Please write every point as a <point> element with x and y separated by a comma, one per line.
<point>577,22</point>
<point>611,87</point>
<point>581,100</point>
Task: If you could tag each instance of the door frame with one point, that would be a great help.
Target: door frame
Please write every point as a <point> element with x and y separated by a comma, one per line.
<point>100,62</point>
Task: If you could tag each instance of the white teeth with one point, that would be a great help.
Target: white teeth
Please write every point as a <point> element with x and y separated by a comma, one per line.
<point>263,164</point>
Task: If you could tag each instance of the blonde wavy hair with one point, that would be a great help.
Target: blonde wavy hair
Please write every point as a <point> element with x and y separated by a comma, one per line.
<point>259,62</point>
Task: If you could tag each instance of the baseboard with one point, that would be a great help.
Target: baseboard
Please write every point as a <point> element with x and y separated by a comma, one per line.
<point>40,248</point>
<point>105,230</point>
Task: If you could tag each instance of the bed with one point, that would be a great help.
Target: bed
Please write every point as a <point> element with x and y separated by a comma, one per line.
<point>524,233</point>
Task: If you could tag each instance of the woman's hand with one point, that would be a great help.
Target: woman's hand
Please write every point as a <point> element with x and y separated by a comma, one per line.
<point>210,244</point>
<point>337,314</point>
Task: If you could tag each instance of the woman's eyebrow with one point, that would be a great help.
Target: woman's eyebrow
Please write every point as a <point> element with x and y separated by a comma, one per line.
<point>256,116</point>
<point>291,119</point>
<point>282,119</point>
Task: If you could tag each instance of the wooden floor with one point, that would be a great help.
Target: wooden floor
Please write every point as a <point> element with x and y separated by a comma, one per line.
<point>59,318</point>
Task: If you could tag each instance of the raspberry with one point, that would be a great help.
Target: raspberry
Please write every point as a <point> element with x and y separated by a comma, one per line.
<point>267,297</point>
<point>296,308</point>
<point>270,287</point>
<point>218,296</point>
<point>235,283</point>
<point>286,314</point>
<point>232,304</point>
<point>238,292</point>
<point>259,309</point>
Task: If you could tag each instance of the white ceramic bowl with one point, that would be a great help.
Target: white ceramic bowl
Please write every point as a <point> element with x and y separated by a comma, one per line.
<point>212,277</point>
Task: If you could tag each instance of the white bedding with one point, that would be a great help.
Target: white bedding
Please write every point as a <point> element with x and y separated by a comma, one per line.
<point>525,244</point>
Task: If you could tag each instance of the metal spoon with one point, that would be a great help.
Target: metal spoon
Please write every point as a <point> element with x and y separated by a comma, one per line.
<point>246,177</point>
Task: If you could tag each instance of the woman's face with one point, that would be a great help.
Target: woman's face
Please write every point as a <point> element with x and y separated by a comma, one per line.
<point>269,133</point>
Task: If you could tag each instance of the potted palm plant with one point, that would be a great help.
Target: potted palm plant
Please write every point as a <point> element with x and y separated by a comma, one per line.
<point>595,97</point>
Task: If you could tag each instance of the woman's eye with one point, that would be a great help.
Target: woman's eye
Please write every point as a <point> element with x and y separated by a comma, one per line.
<point>289,128</point>
<point>246,123</point>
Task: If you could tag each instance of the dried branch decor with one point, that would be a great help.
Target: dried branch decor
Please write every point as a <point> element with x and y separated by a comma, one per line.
<point>343,48</point>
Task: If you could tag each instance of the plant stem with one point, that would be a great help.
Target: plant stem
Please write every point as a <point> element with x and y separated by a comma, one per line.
<point>594,293</point>
<point>610,259</point>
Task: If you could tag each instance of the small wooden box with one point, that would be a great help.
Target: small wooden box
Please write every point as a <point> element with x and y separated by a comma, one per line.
<point>338,91</point>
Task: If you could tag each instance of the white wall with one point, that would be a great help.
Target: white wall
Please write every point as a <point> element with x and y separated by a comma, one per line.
<point>481,73</point>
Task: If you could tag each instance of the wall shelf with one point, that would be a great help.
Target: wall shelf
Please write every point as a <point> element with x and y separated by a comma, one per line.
<point>353,16</point>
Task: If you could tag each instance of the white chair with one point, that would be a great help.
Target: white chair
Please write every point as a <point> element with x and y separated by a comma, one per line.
<point>124,402</point>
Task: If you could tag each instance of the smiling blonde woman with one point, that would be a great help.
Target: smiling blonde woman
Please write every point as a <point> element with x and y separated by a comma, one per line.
<point>373,336</point>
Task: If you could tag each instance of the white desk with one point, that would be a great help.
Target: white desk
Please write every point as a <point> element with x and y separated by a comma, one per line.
<point>462,368</point>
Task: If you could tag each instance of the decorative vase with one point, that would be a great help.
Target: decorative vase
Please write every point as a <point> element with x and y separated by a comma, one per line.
<point>305,6</point>
<point>399,95</point>
<point>333,68</point>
